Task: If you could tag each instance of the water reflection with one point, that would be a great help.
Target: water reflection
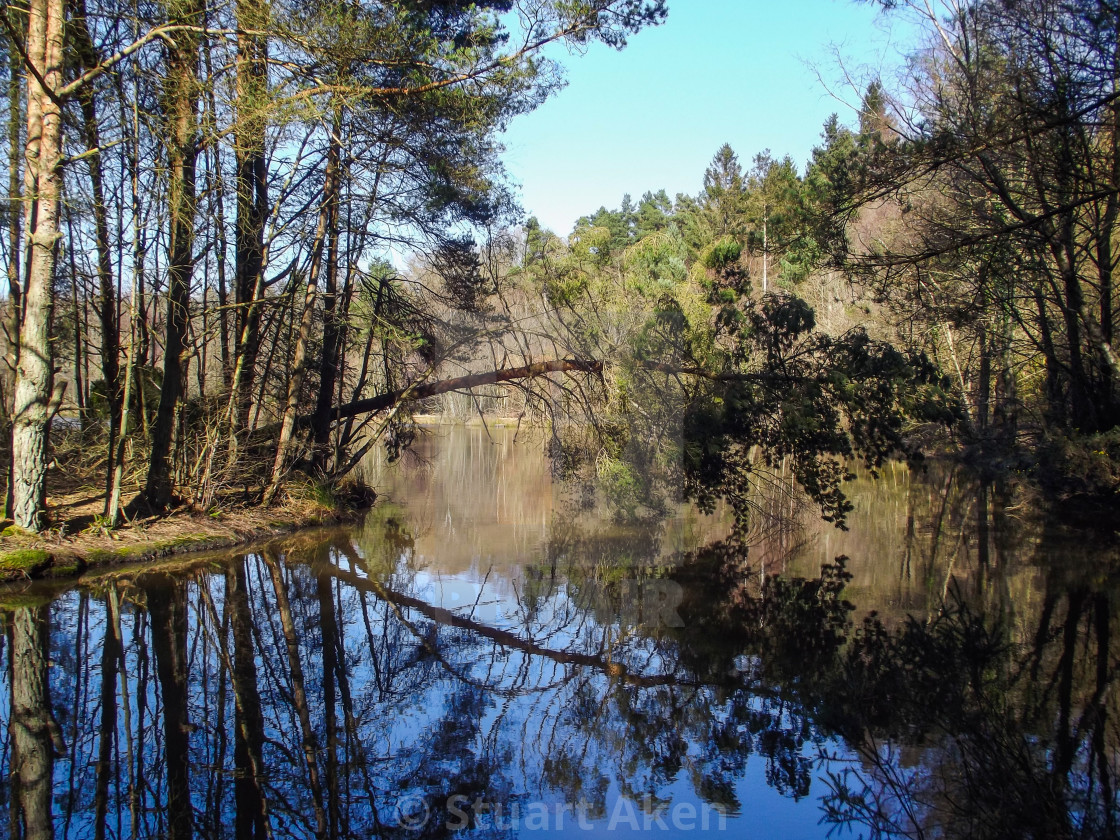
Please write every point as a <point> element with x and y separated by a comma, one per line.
<point>353,685</point>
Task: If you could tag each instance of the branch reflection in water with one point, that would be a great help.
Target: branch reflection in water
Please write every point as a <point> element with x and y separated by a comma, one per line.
<point>954,678</point>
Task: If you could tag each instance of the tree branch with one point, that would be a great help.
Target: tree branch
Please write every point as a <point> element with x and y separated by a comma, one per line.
<point>493,377</point>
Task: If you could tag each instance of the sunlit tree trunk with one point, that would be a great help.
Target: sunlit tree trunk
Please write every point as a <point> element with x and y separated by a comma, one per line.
<point>218,187</point>
<point>332,336</point>
<point>35,401</point>
<point>137,336</point>
<point>14,211</point>
<point>76,299</point>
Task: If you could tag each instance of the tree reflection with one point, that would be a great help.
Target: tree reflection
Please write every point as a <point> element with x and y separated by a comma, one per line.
<point>346,680</point>
<point>250,803</point>
<point>1011,737</point>
<point>35,737</point>
<point>167,608</point>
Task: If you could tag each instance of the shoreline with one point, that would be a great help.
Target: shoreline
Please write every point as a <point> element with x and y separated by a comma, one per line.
<point>55,555</point>
<point>35,557</point>
<point>60,556</point>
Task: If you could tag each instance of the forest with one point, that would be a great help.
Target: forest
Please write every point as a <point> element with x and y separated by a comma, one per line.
<point>255,249</point>
<point>246,242</point>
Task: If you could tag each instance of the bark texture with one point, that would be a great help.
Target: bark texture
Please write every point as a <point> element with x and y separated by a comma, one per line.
<point>34,385</point>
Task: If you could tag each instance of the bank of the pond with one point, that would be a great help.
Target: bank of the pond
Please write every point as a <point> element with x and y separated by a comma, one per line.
<point>56,554</point>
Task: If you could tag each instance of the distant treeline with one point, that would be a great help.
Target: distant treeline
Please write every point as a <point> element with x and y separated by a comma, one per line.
<point>970,215</point>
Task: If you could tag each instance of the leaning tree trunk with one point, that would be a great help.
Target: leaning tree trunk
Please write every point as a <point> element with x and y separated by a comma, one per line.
<point>299,362</point>
<point>181,89</point>
<point>332,336</point>
<point>34,386</point>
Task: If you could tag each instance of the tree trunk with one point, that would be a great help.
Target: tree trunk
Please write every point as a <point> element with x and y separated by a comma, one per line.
<point>79,333</point>
<point>332,334</point>
<point>331,454</point>
<point>181,91</point>
<point>116,477</point>
<point>1104,274</point>
<point>221,249</point>
<point>1104,240</point>
<point>35,401</point>
<point>15,232</point>
<point>15,116</point>
<point>1082,409</point>
<point>252,194</point>
<point>984,383</point>
<point>299,360</point>
<point>474,380</point>
<point>1054,412</point>
<point>765,253</point>
<point>15,226</point>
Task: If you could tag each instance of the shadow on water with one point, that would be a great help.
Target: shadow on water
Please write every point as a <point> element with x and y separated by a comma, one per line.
<point>563,674</point>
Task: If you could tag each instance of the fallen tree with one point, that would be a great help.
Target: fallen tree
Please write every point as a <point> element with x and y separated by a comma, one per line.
<point>461,383</point>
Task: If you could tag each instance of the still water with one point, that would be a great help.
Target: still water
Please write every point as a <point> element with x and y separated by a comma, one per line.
<point>491,654</point>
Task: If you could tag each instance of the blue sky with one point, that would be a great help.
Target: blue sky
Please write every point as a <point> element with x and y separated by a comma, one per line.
<point>651,116</point>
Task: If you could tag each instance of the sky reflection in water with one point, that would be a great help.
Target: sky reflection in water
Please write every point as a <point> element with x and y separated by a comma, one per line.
<point>480,658</point>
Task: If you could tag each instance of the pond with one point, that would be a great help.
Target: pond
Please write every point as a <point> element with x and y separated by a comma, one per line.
<point>491,654</point>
